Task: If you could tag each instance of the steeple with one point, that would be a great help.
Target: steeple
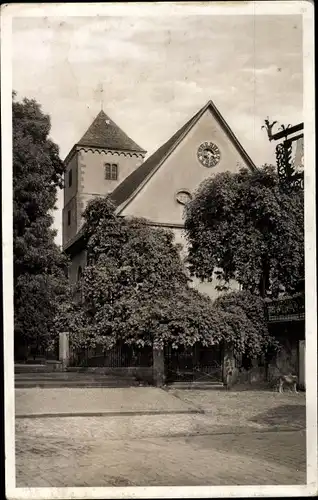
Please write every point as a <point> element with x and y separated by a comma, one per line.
<point>104,133</point>
<point>95,166</point>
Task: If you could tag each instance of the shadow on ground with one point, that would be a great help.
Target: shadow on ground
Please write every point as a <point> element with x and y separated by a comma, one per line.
<point>287,449</point>
<point>292,416</point>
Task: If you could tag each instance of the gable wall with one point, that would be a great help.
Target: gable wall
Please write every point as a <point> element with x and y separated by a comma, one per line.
<point>182,170</point>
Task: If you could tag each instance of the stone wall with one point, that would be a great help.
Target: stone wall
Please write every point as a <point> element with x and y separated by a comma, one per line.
<point>286,360</point>
<point>256,375</point>
<point>234,373</point>
<point>141,373</point>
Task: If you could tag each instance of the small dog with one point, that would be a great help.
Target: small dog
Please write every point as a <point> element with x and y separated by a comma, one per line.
<point>290,381</point>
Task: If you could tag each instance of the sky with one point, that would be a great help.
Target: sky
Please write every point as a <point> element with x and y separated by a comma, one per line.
<point>156,72</point>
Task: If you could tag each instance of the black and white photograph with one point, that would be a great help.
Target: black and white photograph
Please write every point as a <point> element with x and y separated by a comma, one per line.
<point>159,250</point>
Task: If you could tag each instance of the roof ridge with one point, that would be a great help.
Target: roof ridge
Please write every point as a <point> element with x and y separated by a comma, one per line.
<point>150,165</point>
<point>227,129</point>
<point>130,186</point>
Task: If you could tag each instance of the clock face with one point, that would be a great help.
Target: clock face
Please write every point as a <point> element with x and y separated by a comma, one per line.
<point>209,154</point>
<point>183,196</point>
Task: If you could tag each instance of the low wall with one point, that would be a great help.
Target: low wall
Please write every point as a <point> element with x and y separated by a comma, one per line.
<point>142,373</point>
<point>49,366</point>
<point>54,365</point>
<point>234,374</point>
<point>286,360</point>
<point>255,375</point>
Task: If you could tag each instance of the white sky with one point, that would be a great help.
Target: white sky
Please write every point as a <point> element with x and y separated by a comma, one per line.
<point>158,71</point>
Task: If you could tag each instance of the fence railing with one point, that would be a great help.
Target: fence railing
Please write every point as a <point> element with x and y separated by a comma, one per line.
<point>120,356</point>
<point>286,309</point>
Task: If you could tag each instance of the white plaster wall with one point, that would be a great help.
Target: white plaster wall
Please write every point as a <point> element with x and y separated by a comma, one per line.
<point>92,170</point>
<point>203,287</point>
<point>70,192</point>
<point>69,231</point>
<point>182,170</point>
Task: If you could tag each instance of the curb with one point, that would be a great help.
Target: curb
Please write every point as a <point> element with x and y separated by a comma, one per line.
<point>231,432</point>
<point>111,413</point>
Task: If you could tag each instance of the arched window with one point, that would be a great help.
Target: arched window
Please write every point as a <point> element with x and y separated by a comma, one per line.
<point>79,273</point>
<point>111,171</point>
<point>79,296</point>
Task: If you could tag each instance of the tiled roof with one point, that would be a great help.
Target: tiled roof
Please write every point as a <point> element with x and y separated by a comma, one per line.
<point>104,133</point>
<point>138,177</point>
<point>132,182</point>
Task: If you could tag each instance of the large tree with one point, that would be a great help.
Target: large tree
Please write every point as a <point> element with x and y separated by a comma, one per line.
<point>39,266</point>
<point>135,289</point>
<point>249,227</point>
<point>131,269</point>
<point>247,327</point>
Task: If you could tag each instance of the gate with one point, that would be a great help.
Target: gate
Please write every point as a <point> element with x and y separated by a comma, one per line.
<point>197,363</point>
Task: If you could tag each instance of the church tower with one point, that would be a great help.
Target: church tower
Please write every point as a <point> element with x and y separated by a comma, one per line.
<point>95,166</point>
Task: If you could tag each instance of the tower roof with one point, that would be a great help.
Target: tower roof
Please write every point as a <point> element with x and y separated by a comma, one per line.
<point>104,133</point>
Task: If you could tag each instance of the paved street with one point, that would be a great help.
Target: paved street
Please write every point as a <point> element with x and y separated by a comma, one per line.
<point>252,408</point>
<point>263,443</point>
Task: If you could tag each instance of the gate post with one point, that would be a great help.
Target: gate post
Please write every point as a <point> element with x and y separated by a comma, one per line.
<point>158,367</point>
<point>229,370</point>
<point>64,348</point>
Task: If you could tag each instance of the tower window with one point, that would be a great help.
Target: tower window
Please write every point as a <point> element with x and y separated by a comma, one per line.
<point>70,178</point>
<point>111,171</point>
<point>69,218</point>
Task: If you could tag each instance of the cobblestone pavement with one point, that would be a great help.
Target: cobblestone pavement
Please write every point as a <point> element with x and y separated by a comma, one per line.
<point>253,458</point>
<point>228,445</point>
<point>258,409</point>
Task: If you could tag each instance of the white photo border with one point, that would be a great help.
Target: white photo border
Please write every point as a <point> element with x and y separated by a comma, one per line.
<point>304,8</point>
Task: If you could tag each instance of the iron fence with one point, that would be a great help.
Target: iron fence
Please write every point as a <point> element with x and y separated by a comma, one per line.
<point>120,356</point>
<point>286,309</point>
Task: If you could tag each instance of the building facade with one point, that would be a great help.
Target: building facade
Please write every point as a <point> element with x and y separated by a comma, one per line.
<point>107,162</point>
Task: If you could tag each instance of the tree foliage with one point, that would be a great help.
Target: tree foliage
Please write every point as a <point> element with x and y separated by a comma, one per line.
<point>245,313</point>
<point>245,226</point>
<point>135,289</point>
<point>39,266</point>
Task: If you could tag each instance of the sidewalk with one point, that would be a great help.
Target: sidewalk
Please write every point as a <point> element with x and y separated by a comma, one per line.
<point>202,412</point>
<point>91,402</point>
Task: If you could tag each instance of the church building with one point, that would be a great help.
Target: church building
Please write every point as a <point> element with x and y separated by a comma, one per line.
<point>107,162</point>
